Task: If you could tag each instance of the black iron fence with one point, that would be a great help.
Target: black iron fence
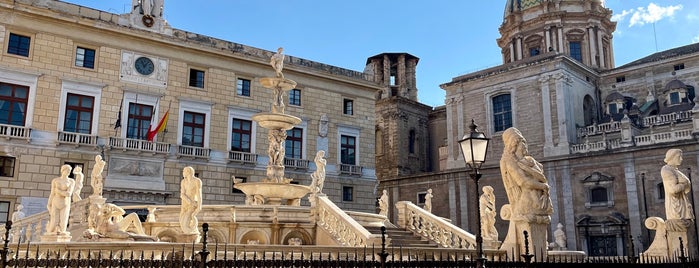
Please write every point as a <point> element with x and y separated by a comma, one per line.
<point>180,255</point>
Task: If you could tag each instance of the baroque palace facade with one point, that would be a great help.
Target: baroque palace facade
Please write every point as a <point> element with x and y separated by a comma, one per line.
<point>76,82</point>
<point>600,131</point>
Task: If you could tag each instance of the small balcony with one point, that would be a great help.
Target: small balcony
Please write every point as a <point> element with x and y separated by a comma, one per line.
<point>296,163</point>
<point>15,132</point>
<point>242,157</point>
<point>141,146</point>
<point>193,151</point>
<point>76,139</point>
<point>350,170</point>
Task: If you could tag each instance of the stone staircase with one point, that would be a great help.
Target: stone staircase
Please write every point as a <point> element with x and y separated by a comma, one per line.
<point>402,238</point>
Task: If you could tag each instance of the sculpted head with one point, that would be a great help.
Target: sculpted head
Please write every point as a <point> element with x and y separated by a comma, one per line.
<point>77,170</point>
<point>188,172</point>
<point>673,157</point>
<point>320,154</point>
<point>512,137</point>
<point>65,170</point>
<point>488,190</point>
<point>98,158</point>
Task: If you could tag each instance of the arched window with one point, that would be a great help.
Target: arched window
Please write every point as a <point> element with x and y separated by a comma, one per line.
<point>588,110</point>
<point>502,112</point>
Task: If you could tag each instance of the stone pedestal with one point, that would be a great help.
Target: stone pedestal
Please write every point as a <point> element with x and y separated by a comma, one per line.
<point>93,210</point>
<point>536,230</point>
<point>666,242</point>
<point>56,237</point>
<point>188,238</point>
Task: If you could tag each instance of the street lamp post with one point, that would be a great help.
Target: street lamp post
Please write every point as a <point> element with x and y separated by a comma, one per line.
<point>474,147</point>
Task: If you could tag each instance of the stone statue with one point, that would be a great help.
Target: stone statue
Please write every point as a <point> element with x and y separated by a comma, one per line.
<point>526,186</point>
<point>18,214</point>
<point>277,149</point>
<point>383,204</point>
<point>677,187</point>
<point>428,200</point>
<point>112,224</point>
<point>323,126</point>
<point>277,62</point>
<point>527,189</point>
<point>488,212</point>
<point>59,203</point>
<point>96,180</point>
<point>318,177</point>
<point>560,237</point>
<point>79,179</point>
<point>190,193</point>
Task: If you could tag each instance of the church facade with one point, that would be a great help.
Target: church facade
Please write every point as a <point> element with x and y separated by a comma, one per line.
<point>601,131</point>
<point>76,82</point>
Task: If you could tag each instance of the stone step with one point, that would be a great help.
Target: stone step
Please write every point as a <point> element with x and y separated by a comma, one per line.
<point>402,238</point>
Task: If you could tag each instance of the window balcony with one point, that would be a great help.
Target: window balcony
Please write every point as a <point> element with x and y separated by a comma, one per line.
<point>350,170</point>
<point>76,139</point>
<point>242,157</point>
<point>137,145</point>
<point>296,163</point>
<point>193,151</point>
<point>15,132</point>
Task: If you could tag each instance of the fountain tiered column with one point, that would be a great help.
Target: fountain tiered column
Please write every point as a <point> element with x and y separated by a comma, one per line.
<point>275,187</point>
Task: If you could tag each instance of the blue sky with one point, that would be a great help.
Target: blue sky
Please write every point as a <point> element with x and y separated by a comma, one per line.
<point>451,37</point>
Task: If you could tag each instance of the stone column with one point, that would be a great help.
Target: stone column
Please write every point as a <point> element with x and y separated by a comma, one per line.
<point>591,41</point>
<point>600,46</point>
<point>546,103</point>
<point>519,47</point>
<point>560,39</point>
<point>547,37</point>
<point>512,52</point>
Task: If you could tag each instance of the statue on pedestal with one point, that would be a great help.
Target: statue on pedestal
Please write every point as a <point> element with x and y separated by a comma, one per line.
<point>488,212</point>
<point>96,180</point>
<point>59,203</point>
<point>383,203</point>
<point>190,193</point>
<point>79,179</point>
<point>318,177</point>
<point>428,200</point>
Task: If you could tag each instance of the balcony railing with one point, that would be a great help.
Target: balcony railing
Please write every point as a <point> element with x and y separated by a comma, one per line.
<point>76,139</point>
<point>599,129</point>
<point>664,119</point>
<point>350,169</point>
<point>16,132</point>
<point>296,163</point>
<point>663,137</point>
<point>242,157</point>
<point>139,145</point>
<point>192,151</point>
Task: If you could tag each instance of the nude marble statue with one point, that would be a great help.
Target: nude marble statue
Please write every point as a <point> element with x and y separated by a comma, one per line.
<point>59,202</point>
<point>190,193</point>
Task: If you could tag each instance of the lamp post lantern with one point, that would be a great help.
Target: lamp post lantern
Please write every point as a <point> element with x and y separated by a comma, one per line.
<point>474,147</point>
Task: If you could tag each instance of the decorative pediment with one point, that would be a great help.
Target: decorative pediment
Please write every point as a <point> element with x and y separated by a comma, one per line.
<point>597,178</point>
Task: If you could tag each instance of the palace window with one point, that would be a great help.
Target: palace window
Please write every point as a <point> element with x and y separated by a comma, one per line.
<point>79,109</point>
<point>193,126</point>
<point>678,67</point>
<point>243,87</point>
<point>18,45</point>
<point>241,135</point>
<point>575,50</point>
<point>196,78</point>
<point>85,57</point>
<point>661,191</point>
<point>411,141</point>
<point>502,112</point>
<point>620,79</point>
<point>139,121</point>
<point>421,198</point>
<point>4,211</point>
<point>347,193</point>
<point>7,166</point>
<point>73,165</point>
<point>347,107</point>
<point>295,97</point>
<point>600,190</point>
<point>348,148</point>
<point>533,51</point>
<point>294,143</point>
<point>13,104</point>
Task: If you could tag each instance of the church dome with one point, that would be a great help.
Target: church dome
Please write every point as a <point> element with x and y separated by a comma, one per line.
<point>513,6</point>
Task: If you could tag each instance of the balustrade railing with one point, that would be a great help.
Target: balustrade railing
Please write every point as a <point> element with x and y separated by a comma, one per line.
<point>139,145</point>
<point>18,132</point>
<point>296,163</point>
<point>76,138</point>
<point>664,119</point>
<point>350,169</point>
<point>193,151</point>
<point>664,137</point>
<point>343,228</point>
<point>599,129</point>
<point>425,224</point>
<point>30,228</point>
<point>242,157</point>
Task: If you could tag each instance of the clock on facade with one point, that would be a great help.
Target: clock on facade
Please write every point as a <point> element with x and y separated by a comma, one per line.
<point>144,66</point>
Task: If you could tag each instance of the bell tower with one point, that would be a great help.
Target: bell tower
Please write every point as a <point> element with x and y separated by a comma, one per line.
<point>402,136</point>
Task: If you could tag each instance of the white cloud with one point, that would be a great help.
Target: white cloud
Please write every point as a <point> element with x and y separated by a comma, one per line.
<point>695,39</point>
<point>652,14</point>
<point>620,17</point>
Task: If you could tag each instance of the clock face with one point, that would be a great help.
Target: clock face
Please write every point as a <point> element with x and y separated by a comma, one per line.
<point>144,66</point>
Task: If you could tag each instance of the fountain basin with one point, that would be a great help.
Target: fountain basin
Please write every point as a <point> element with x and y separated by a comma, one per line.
<point>274,193</point>
<point>276,120</point>
<point>277,83</point>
